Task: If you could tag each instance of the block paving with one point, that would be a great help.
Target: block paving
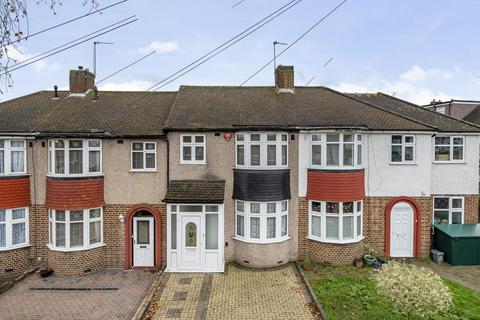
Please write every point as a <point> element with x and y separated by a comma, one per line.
<point>239,293</point>
<point>109,294</point>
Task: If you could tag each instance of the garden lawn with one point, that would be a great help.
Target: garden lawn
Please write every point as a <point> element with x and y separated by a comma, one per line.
<point>350,293</point>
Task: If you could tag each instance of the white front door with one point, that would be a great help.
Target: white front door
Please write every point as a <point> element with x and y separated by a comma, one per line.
<point>191,242</point>
<point>401,230</point>
<point>143,242</point>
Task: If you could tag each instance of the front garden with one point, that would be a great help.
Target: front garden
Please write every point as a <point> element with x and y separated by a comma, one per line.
<point>349,292</point>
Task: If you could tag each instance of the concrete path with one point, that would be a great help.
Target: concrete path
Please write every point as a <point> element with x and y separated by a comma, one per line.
<point>468,276</point>
<point>239,293</point>
<point>110,294</point>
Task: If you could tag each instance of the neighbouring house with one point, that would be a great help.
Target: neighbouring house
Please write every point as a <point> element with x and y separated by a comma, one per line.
<point>468,110</point>
<point>192,179</point>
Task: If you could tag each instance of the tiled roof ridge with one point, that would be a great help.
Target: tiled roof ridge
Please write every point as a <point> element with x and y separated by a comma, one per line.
<point>380,108</point>
<point>434,112</point>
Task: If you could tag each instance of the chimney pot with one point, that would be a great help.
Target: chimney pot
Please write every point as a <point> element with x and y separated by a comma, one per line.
<point>80,67</point>
<point>55,91</point>
<point>284,78</point>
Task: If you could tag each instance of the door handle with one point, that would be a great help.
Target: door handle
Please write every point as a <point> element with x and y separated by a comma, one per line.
<point>143,247</point>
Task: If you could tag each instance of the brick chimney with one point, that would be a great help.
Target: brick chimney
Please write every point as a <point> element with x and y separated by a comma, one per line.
<point>284,78</point>
<point>81,81</point>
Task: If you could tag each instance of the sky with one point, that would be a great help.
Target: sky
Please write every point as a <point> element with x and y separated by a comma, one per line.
<point>416,50</point>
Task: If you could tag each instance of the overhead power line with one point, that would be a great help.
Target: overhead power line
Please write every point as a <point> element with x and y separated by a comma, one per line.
<point>225,45</point>
<point>296,40</point>
<point>126,67</point>
<point>70,42</point>
<point>63,23</point>
<point>69,47</point>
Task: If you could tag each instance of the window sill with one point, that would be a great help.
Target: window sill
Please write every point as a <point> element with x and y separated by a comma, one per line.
<point>143,171</point>
<point>403,163</point>
<point>73,176</point>
<point>23,246</point>
<point>262,168</point>
<point>356,240</point>
<point>194,163</point>
<point>262,241</point>
<point>449,162</point>
<point>75,249</point>
<point>14,175</point>
<point>326,168</point>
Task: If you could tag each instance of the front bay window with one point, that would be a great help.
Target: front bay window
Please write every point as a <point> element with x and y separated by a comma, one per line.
<point>13,228</point>
<point>266,150</point>
<point>261,221</point>
<point>13,157</point>
<point>335,222</point>
<point>337,150</point>
<point>76,157</point>
<point>75,229</point>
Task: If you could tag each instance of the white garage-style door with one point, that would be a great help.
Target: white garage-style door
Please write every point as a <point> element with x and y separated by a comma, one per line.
<point>401,230</point>
<point>195,238</point>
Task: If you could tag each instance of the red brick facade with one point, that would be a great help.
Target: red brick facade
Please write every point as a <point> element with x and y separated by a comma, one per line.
<point>74,193</point>
<point>14,192</point>
<point>336,186</point>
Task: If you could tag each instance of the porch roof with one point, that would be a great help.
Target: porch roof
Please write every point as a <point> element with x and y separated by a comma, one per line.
<point>195,191</point>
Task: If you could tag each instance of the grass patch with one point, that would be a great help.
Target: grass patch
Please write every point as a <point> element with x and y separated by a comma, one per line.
<point>350,293</point>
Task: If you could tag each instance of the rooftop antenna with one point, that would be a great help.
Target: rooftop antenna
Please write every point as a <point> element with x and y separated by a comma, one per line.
<point>95,44</point>
<point>275,43</point>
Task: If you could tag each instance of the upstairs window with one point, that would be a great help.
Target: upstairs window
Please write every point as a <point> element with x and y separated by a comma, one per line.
<point>13,157</point>
<point>75,157</point>
<point>403,149</point>
<point>440,110</point>
<point>192,149</point>
<point>262,150</point>
<point>144,156</point>
<point>448,210</point>
<point>335,150</point>
<point>13,228</point>
<point>449,149</point>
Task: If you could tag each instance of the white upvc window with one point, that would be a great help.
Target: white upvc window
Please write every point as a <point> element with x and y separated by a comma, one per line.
<point>448,210</point>
<point>144,156</point>
<point>449,149</point>
<point>336,150</point>
<point>261,222</point>
<point>74,157</point>
<point>261,150</point>
<point>402,149</point>
<point>335,222</point>
<point>440,109</point>
<point>71,230</point>
<point>193,149</point>
<point>13,157</point>
<point>14,228</point>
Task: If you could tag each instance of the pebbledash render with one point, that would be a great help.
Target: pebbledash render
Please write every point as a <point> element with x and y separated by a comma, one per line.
<point>193,179</point>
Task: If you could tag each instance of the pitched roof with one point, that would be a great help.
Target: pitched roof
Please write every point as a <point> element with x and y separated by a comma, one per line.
<point>195,191</point>
<point>473,116</point>
<point>431,118</point>
<point>115,113</point>
<point>230,108</point>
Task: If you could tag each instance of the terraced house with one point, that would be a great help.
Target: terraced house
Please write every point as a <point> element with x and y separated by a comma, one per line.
<point>193,179</point>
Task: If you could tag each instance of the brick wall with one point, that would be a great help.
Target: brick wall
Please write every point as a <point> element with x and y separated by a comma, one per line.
<point>14,262</point>
<point>14,192</point>
<point>76,262</point>
<point>263,255</point>
<point>71,194</point>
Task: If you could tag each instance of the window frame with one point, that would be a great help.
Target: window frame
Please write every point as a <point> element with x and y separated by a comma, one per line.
<point>280,143</point>
<point>263,217</point>
<point>322,215</point>
<point>403,146</point>
<point>9,222</point>
<point>450,208</point>
<point>357,155</point>
<point>86,230</point>
<point>7,157</point>
<point>66,158</point>
<point>451,145</point>
<point>192,146</point>
<point>144,152</point>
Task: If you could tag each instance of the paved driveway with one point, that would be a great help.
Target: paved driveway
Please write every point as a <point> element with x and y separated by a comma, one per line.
<point>110,294</point>
<point>468,276</point>
<point>238,294</point>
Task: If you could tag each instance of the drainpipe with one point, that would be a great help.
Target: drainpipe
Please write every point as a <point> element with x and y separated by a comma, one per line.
<point>168,160</point>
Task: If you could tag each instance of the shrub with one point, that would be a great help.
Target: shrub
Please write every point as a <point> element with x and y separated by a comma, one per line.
<point>415,290</point>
